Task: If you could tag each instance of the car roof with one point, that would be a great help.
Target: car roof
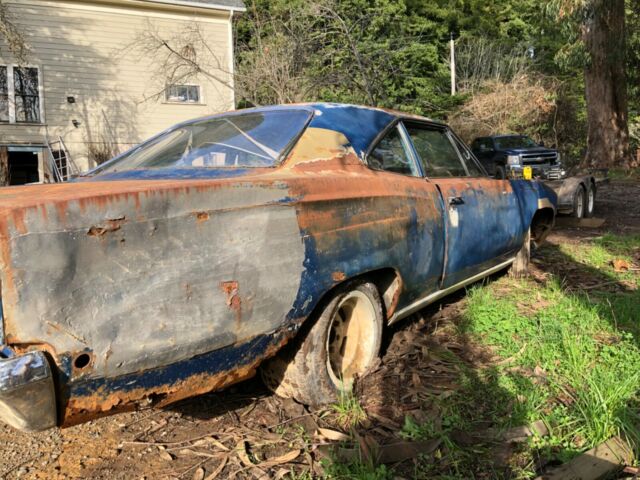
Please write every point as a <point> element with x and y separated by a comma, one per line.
<point>361,125</point>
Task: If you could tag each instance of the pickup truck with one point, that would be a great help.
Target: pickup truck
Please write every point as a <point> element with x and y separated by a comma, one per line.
<point>506,156</point>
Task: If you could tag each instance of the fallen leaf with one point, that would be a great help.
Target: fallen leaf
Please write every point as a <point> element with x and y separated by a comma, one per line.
<point>286,458</point>
<point>620,265</point>
<point>241,450</point>
<point>164,455</point>
<point>212,441</point>
<point>332,435</point>
<point>218,469</point>
<point>198,474</point>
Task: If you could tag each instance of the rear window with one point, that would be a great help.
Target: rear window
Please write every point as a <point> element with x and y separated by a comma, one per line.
<point>256,139</point>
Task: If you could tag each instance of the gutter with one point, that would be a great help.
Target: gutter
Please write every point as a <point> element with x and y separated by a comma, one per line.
<point>187,3</point>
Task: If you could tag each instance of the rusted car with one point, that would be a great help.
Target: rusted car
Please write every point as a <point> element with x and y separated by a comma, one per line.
<point>180,266</point>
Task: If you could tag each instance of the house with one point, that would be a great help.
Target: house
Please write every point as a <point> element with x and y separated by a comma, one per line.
<point>91,87</point>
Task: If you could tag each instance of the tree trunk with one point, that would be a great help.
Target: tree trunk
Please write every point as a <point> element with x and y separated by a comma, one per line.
<point>606,86</point>
<point>4,166</point>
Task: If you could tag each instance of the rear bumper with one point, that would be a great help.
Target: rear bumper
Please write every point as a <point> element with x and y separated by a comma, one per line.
<point>27,394</point>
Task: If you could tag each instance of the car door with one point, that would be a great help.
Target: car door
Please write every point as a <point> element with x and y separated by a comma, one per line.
<point>420,246</point>
<point>482,216</point>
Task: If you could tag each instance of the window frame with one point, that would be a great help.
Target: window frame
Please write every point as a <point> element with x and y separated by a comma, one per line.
<point>11,93</point>
<point>406,143</point>
<point>201,100</point>
<point>451,136</point>
<point>458,141</point>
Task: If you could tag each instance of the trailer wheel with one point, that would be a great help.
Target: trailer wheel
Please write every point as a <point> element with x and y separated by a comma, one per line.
<point>579,202</point>
<point>341,344</point>
<point>590,204</point>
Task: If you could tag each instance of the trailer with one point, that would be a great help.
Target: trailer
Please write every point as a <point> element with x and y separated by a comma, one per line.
<point>576,192</point>
<point>576,195</point>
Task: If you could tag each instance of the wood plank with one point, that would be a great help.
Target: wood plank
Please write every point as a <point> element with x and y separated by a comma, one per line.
<point>597,463</point>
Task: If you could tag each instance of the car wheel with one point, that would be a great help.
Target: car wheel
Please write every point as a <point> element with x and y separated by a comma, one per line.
<point>590,204</point>
<point>579,202</point>
<point>331,353</point>
<point>500,173</point>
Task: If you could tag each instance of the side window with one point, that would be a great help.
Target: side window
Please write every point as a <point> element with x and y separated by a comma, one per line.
<point>470,162</point>
<point>438,155</point>
<point>392,155</point>
<point>486,145</point>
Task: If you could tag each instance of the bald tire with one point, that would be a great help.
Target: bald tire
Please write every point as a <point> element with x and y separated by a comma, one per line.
<point>301,369</point>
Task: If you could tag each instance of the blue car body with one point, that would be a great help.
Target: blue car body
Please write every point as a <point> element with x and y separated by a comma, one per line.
<point>132,287</point>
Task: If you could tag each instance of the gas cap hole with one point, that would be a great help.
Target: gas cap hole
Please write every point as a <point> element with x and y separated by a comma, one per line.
<point>82,361</point>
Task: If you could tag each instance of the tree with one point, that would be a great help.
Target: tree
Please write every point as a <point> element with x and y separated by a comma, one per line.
<point>599,28</point>
<point>11,35</point>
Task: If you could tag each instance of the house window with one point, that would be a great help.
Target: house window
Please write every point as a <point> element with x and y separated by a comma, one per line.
<point>183,93</point>
<point>4,95</point>
<point>20,94</point>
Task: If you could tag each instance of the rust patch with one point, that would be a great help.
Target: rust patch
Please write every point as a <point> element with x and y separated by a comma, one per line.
<point>21,348</point>
<point>202,216</point>
<point>231,290</point>
<point>82,362</point>
<point>100,403</point>
<point>111,225</point>
<point>395,299</point>
<point>338,276</point>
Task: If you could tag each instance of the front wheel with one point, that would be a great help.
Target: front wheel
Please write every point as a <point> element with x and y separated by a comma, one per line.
<point>339,346</point>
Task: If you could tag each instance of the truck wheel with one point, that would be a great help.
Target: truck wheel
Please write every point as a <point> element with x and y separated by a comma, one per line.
<point>579,202</point>
<point>500,173</point>
<point>340,345</point>
<point>590,204</point>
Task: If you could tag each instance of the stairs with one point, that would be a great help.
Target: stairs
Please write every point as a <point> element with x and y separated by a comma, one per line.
<point>61,164</point>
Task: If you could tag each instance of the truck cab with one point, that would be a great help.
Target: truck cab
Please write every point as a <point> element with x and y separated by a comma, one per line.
<point>507,155</point>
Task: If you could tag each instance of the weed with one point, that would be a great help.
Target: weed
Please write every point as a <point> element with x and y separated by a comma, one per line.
<point>349,412</point>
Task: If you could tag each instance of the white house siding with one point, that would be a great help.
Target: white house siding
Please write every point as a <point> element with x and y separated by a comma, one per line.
<point>84,50</point>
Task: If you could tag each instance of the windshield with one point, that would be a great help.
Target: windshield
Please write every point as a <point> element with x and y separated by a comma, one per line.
<point>516,141</point>
<point>245,140</point>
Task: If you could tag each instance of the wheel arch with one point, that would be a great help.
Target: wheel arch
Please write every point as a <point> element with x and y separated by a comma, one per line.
<point>541,224</point>
<point>387,280</point>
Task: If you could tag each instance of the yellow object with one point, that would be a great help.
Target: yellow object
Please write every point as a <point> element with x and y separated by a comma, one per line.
<point>527,173</point>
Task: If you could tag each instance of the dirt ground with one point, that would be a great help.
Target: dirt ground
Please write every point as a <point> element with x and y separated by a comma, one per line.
<point>245,432</point>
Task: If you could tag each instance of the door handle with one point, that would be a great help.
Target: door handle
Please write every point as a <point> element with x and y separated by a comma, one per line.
<point>454,201</point>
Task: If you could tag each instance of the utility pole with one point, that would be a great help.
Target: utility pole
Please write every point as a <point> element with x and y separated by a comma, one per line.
<point>453,66</point>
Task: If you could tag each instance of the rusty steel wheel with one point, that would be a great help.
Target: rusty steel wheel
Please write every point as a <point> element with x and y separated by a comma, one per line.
<point>351,347</point>
<point>333,351</point>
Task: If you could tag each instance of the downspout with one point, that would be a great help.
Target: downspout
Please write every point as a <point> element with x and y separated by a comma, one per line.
<point>231,62</point>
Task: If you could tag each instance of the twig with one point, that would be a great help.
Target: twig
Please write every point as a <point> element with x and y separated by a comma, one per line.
<point>592,287</point>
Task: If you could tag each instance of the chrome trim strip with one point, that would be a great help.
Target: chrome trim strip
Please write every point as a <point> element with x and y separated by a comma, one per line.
<point>420,304</point>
